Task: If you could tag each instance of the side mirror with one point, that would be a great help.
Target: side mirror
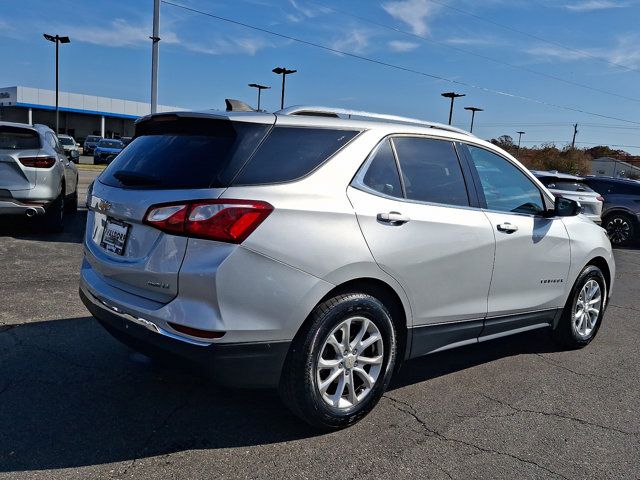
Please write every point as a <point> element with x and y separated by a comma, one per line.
<point>565,207</point>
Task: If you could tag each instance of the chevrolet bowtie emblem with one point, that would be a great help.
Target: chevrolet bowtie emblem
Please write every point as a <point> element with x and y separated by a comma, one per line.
<point>103,206</point>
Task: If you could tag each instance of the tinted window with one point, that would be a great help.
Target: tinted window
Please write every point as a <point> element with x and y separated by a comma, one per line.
<point>505,187</point>
<point>289,153</point>
<point>166,155</point>
<point>110,144</point>
<point>381,171</point>
<point>431,171</point>
<point>567,186</point>
<point>14,138</point>
<point>605,187</point>
<point>92,138</point>
<point>66,141</point>
<point>53,141</point>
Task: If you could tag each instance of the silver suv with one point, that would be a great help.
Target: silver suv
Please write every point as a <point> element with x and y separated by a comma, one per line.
<point>314,250</point>
<point>36,177</point>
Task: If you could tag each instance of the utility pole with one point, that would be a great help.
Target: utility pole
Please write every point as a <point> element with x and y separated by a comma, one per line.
<point>284,72</point>
<point>260,88</point>
<point>519,138</point>
<point>575,132</point>
<point>155,40</point>
<point>452,96</point>
<point>473,111</point>
<point>57,40</point>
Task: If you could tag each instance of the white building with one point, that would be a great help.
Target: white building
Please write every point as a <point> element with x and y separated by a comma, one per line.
<point>80,115</point>
<point>611,167</point>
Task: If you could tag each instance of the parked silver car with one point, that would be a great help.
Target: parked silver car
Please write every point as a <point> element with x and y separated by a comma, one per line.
<point>575,188</point>
<point>314,250</point>
<point>36,177</point>
<point>71,147</point>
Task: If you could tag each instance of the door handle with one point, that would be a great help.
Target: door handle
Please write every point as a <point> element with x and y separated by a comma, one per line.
<point>393,218</point>
<point>506,227</point>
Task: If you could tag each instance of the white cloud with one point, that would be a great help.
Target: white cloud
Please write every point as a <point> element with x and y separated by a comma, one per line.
<point>471,41</point>
<point>308,11</point>
<point>226,46</point>
<point>119,33</point>
<point>594,5</point>
<point>415,13</point>
<point>400,46</point>
<point>356,41</point>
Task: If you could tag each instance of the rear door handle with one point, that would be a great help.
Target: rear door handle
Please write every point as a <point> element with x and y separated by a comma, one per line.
<point>506,227</point>
<point>393,218</point>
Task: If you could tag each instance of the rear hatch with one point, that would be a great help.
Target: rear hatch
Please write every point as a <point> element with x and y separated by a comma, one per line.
<point>16,143</point>
<point>173,158</point>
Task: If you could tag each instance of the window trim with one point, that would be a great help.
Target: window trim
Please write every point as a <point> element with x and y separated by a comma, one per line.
<point>472,194</point>
<point>547,202</point>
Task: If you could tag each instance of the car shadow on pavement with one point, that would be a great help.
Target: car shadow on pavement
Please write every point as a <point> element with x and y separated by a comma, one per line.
<point>33,228</point>
<point>72,396</point>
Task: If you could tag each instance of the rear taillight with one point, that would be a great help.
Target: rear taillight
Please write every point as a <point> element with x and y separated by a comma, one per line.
<point>600,198</point>
<point>222,220</point>
<point>38,162</point>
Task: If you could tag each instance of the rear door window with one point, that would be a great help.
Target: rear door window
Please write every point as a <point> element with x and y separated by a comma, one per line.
<point>15,138</point>
<point>431,171</point>
<point>380,172</point>
<point>184,153</point>
<point>290,153</point>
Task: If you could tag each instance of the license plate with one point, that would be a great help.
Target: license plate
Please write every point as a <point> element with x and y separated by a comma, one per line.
<point>114,237</point>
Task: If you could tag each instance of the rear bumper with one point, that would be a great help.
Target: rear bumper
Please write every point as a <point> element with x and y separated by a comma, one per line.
<point>14,207</point>
<point>234,364</point>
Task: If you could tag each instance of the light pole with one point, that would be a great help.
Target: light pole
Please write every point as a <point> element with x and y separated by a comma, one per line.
<point>452,96</point>
<point>155,40</point>
<point>519,138</point>
<point>284,72</point>
<point>473,111</point>
<point>260,88</point>
<point>57,40</point>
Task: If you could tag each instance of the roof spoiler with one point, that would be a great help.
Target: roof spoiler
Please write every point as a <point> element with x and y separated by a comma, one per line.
<point>237,106</point>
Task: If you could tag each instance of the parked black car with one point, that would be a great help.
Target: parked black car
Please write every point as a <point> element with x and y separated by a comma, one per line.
<point>90,144</point>
<point>621,209</point>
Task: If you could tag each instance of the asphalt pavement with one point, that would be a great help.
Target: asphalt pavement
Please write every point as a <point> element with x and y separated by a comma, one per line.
<point>74,403</point>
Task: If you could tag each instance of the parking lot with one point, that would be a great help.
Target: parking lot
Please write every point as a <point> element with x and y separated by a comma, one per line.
<point>74,403</point>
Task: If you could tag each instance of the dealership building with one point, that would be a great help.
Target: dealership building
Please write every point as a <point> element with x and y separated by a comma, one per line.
<point>80,115</point>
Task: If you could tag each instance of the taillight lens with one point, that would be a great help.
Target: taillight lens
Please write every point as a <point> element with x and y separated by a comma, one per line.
<point>38,162</point>
<point>222,220</point>
<point>600,198</point>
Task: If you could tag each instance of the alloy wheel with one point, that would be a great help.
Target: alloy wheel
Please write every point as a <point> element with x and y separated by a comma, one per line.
<point>619,230</point>
<point>349,362</point>
<point>587,309</point>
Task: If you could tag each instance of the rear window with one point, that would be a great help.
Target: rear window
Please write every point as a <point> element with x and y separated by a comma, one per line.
<point>110,144</point>
<point>290,153</point>
<point>567,186</point>
<point>16,138</point>
<point>91,138</point>
<point>66,141</point>
<point>184,154</point>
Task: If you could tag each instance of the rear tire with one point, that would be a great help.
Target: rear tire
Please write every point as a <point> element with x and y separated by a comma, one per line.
<point>584,310</point>
<point>54,215</point>
<point>621,229</point>
<point>71,206</point>
<point>326,381</point>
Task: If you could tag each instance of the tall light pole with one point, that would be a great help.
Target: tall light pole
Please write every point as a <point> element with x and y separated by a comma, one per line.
<point>519,138</point>
<point>155,40</point>
<point>260,88</point>
<point>473,111</point>
<point>452,96</point>
<point>284,72</point>
<point>57,40</point>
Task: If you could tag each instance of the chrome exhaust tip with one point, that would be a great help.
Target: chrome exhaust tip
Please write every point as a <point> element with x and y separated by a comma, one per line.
<point>31,212</point>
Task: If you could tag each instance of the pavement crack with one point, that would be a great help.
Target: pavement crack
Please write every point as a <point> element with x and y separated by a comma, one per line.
<point>409,410</point>
<point>564,367</point>
<point>556,415</point>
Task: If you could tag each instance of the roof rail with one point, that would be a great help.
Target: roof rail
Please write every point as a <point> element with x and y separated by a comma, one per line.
<point>335,112</point>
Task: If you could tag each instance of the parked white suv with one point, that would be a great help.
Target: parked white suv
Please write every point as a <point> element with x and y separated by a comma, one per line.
<point>313,252</point>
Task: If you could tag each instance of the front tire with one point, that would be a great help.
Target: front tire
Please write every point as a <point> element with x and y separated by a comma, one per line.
<point>620,228</point>
<point>341,363</point>
<point>583,311</point>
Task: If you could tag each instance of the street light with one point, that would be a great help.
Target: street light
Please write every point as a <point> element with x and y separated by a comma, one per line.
<point>57,40</point>
<point>519,138</point>
<point>473,111</point>
<point>452,96</point>
<point>284,72</point>
<point>260,88</point>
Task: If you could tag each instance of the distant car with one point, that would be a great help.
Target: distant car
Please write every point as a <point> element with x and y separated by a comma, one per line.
<point>90,144</point>
<point>36,177</point>
<point>70,147</point>
<point>621,210</point>
<point>573,187</point>
<point>106,150</point>
<point>126,140</point>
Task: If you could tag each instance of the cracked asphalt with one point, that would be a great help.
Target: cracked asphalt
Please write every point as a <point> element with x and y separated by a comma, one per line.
<point>74,403</point>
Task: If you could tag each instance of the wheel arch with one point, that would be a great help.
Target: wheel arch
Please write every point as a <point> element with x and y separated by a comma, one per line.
<point>623,211</point>
<point>602,264</point>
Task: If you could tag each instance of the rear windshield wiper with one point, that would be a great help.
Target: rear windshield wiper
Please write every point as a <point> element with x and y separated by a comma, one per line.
<point>133,178</point>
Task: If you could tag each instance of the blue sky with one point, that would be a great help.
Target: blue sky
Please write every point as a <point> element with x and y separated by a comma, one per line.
<point>204,60</point>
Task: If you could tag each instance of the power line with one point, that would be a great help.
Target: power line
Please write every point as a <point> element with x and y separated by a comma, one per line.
<point>396,67</point>
<point>475,54</point>
<point>535,37</point>
<point>582,143</point>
